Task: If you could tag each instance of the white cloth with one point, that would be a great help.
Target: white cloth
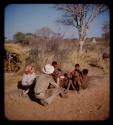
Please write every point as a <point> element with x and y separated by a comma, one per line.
<point>28,79</point>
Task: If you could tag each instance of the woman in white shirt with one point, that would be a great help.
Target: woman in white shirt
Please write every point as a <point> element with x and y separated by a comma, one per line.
<point>28,78</point>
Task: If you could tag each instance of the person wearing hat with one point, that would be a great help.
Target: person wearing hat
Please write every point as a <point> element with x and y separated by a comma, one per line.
<point>42,91</point>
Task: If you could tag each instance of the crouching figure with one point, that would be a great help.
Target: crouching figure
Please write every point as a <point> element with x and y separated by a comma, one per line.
<point>42,91</point>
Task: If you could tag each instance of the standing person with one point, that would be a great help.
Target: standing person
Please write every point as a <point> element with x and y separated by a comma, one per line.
<point>42,92</point>
<point>28,79</point>
<point>85,78</point>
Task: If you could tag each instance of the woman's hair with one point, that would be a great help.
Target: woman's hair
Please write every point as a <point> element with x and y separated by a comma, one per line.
<point>28,69</point>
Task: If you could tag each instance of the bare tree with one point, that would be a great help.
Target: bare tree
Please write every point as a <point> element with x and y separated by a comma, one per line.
<point>62,30</point>
<point>80,16</point>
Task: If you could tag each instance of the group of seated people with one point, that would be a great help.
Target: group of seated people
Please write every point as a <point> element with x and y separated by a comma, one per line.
<point>78,78</point>
<point>53,81</point>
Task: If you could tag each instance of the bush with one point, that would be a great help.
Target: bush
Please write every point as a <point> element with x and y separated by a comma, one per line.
<point>43,51</point>
<point>14,57</point>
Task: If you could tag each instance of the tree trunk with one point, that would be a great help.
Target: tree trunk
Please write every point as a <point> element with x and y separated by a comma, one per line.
<point>81,47</point>
<point>82,38</point>
<point>82,33</point>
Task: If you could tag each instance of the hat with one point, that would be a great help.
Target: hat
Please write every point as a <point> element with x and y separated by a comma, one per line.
<point>48,69</point>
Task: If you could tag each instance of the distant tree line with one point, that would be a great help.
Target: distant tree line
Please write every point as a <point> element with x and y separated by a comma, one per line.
<point>46,34</point>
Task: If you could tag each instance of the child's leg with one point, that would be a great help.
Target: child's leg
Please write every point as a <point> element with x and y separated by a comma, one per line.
<point>77,86</point>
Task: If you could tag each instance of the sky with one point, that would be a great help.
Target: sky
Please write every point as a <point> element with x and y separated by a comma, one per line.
<point>28,18</point>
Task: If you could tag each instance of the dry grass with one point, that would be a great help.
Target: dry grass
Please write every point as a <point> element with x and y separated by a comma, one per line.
<point>19,51</point>
<point>17,48</point>
<point>64,52</point>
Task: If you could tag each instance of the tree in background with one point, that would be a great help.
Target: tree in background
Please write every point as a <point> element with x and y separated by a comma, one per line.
<point>23,38</point>
<point>19,36</point>
<point>47,33</point>
<point>80,16</point>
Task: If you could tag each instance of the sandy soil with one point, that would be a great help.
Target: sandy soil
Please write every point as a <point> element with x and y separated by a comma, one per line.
<point>89,104</point>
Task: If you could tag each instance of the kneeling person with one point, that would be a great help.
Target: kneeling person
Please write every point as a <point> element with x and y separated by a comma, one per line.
<point>42,92</point>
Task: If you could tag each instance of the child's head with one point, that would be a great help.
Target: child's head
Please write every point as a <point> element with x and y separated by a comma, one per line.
<point>54,63</point>
<point>85,71</point>
<point>77,66</point>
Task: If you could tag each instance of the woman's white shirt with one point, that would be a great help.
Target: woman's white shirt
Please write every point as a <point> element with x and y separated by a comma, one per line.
<point>28,79</point>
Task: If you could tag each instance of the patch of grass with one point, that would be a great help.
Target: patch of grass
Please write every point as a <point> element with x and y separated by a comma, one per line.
<point>20,54</point>
<point>64,52</point>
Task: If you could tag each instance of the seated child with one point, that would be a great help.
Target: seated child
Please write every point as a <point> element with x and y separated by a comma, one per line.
<point>76,79</point>
<point>76,76</point>
<point>85,78</point>
<point>64,81</point>
<point>58,73</point>
<point>77,67</point>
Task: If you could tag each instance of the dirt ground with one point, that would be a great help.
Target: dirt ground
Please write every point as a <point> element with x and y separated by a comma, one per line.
<point>89,104</point>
